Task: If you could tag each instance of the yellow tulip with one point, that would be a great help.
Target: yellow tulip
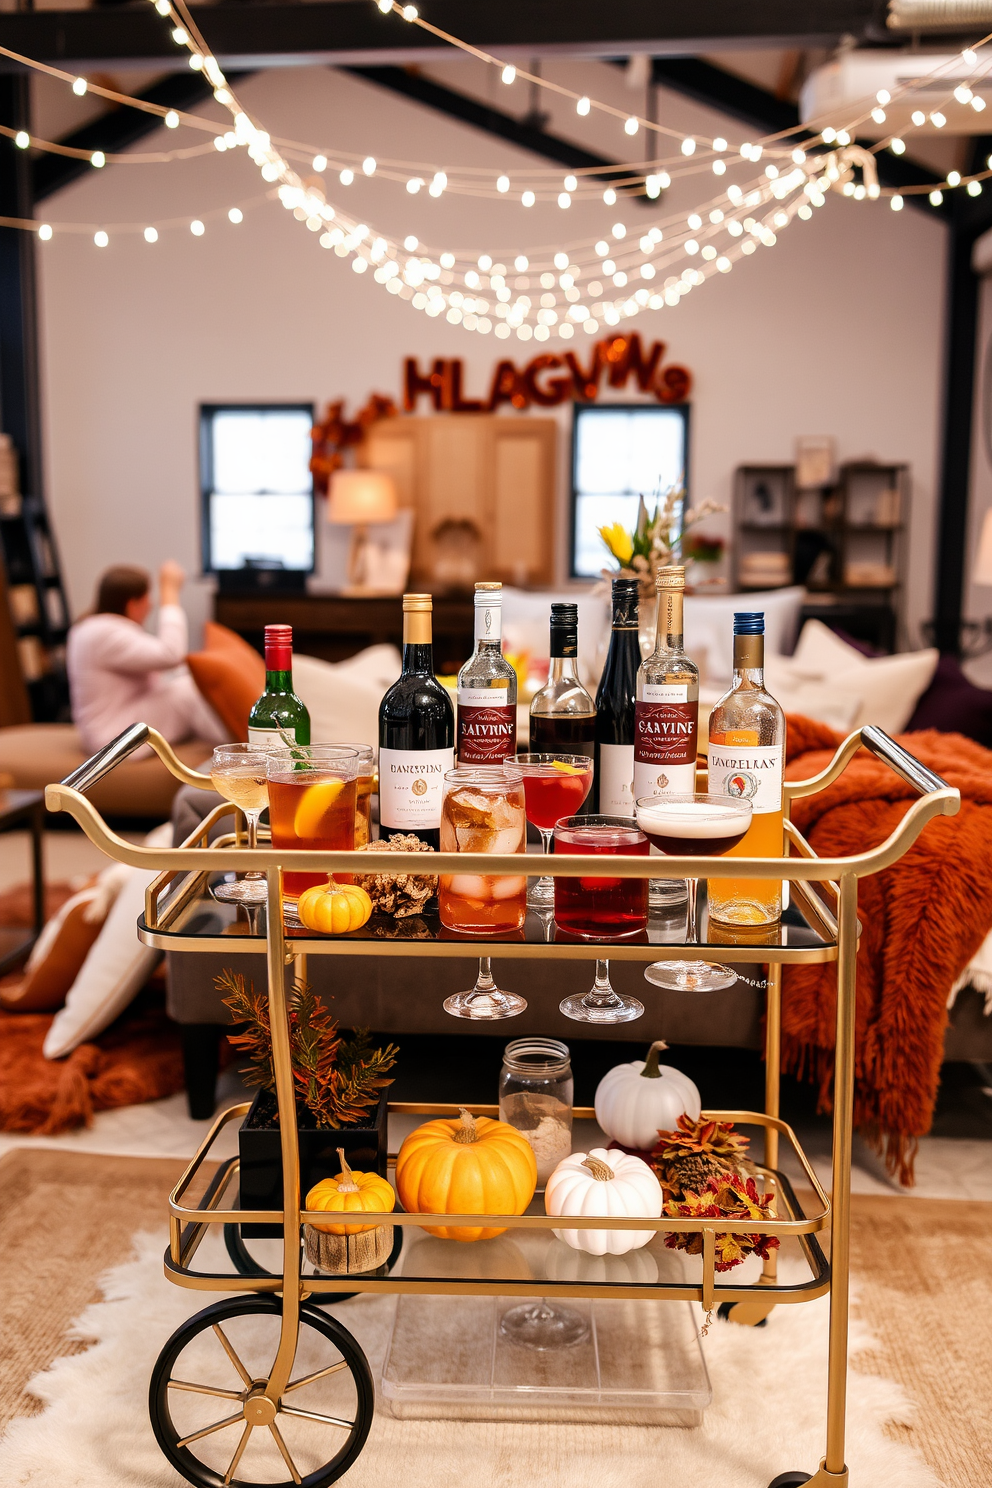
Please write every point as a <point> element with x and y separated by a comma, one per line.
<point>619,542</point>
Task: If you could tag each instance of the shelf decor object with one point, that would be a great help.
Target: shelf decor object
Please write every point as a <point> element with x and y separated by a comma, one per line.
<point>636,1101</point>
<point>464,1299</point>
<point>349,1248</point>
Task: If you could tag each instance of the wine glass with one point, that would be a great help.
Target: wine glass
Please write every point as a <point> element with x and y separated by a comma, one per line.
<point>483,812</point>
<point>702,825</point>
<point>555,785</point>
<point>238,772</point>
<point>601,1004</point>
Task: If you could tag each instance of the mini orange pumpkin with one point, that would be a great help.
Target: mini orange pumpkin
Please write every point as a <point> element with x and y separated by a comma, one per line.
<point>348,1192</point>
<point>470,1166</point>
<point>334,908</point>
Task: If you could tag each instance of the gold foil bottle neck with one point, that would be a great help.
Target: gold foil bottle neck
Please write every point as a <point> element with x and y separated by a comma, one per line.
<point>417,603</point>
<point>670,578</point>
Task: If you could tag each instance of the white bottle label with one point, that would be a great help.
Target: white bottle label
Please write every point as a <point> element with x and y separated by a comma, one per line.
<point>411,787</point>
<point>753,771</point>
<point>616,779</point>
<point>485,697</point>
<point>665,692</point>
<point>267,736</point>
<point>488,619</point>
<point>663,780</point>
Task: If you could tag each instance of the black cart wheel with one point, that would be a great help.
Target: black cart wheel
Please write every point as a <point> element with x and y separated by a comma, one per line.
<point>724,1311</point>
<point>790,1480</point>
<point>220,1359</point>
<point>246,1265</point>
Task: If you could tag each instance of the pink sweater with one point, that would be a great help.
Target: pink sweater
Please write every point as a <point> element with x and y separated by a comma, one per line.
<point>115,674</point>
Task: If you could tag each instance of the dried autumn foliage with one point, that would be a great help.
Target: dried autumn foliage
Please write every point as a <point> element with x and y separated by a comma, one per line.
<point>730,1197</point>
<point>337,1080</point>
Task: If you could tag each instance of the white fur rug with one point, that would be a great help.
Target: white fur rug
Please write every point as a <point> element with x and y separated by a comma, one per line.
<point>767,1414</point>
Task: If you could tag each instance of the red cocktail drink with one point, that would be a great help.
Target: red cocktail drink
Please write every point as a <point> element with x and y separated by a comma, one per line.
<point>601,908</point>
<point>555,786</point>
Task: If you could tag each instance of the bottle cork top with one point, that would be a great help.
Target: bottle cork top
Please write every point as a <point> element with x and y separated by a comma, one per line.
<point>672,577</point>
<point>488,594</point>
<point>413,603</point>
<point>488,585</point>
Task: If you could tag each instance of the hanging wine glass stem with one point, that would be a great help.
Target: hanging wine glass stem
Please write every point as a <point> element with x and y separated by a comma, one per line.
<point>484,982</point>
<point>252,819</point>
<point>601,993</point>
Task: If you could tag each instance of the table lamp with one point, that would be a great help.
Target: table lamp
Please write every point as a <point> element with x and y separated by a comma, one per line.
<point>358,498</point>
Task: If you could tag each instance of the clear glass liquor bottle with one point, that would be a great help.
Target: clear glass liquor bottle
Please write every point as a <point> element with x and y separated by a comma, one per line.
<point>746,758</point>
<point>487,688</point>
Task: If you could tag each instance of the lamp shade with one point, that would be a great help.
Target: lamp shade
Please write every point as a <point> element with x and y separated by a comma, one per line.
<point>982,572</point>
<point>359,496</point>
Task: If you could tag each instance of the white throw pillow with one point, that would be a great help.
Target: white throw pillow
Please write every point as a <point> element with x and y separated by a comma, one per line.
<point>117,966</point>
<point>802,691</point>
<point>709,625</point>
<point>343,699</point>
<point>890,686</point>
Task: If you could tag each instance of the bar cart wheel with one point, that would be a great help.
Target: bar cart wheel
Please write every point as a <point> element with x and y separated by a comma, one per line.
<point>231,1403</point>
<point>246,1265</point>
<point>791,1480</point>
<point>727,1311</point>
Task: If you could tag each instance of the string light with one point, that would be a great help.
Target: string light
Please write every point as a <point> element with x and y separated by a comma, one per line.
<point>197,228</point>
<point>79,86</point>
<point>22,139</point>
<point>509,73</point>
<point>98,159</point>
<point>171,120</point>
<point>45,232</point>
<point>151,235</point>
<point>101,239</point>
<point>235,215</point>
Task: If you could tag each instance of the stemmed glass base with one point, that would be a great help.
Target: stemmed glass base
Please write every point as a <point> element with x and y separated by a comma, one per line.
<point>485,1000</point>
<point>252,889</point>
<point>689,976</point>
<point>539,1325</point>
<point>601,1004</point>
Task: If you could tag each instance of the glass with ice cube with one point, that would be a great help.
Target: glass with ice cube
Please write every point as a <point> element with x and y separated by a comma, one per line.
<point>483,812</point>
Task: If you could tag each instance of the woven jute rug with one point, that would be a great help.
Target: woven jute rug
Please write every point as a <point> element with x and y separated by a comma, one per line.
<point>921,1278</point>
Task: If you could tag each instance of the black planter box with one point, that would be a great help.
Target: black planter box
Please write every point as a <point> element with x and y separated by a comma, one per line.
<point>365,1147</point>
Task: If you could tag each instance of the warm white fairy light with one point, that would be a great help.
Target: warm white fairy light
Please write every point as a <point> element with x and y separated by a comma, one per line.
<point>100,238</point>
<point>45,232</point>
<point>22,139</point>
<point>171,120</point>
<point>98,159</point>
<point>150,234</point>
<point>79,86</point>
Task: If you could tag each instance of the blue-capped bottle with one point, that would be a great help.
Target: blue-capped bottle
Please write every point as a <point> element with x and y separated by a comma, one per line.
<point>747,758</point>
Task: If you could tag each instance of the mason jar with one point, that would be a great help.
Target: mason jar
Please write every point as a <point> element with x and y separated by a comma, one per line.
<point>535,1096</point>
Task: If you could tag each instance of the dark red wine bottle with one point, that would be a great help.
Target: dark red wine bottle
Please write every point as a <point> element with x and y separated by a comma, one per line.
<point>562,714</point>
<point>416,735</point>
<point>615,704</point>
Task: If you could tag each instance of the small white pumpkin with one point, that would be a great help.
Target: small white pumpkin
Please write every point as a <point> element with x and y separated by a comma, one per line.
<point>634,1102</point>
<point>601,1182</point>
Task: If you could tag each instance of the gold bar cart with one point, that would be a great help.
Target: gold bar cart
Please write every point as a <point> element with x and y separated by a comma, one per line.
<point>825,929</point>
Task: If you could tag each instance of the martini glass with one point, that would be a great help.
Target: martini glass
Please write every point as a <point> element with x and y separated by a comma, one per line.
<point>555,785</point>
<point>697,825</point>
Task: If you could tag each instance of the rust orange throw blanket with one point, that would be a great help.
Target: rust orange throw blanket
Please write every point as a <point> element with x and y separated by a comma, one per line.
<point>923,920</point>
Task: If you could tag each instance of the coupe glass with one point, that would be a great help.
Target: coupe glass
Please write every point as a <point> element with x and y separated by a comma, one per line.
<point>697,825</point>
<point>238,772</point>
<point>555,785</point>
<point>483,812</point>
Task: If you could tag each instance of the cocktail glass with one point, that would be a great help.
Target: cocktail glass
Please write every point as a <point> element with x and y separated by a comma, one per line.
<point>600,908</point>
<point>311,806</point>
<point>555,785</point>
<point>364,783</point>
<point>601,1004</point>
<point>697,825</point>
<point>483,812</point>
<point>238,772</point>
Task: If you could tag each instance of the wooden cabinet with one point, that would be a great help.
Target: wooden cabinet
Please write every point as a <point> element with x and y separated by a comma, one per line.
<point>498,472</point>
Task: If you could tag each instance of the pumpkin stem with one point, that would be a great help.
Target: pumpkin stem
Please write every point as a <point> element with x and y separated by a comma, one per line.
<point>598,1168</point>
<point>346,1181</point>
<point>651,1070</point>
<point>467,1132</point>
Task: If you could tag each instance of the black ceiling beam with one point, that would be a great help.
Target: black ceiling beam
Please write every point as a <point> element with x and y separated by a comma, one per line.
<point>116,130</point>
<point>423,90</point>
<point>354,31</point>
<point>762,111</point>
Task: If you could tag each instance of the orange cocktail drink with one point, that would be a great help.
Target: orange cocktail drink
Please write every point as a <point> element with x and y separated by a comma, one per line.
<point>312,803</point>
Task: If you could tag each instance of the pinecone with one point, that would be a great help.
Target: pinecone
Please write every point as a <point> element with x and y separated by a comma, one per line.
<point>401,895</point>
<point>696,1151</point>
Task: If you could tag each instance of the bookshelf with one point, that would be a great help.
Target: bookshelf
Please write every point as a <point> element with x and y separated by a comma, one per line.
<point>36,618</point>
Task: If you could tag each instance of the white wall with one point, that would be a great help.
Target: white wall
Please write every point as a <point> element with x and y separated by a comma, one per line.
<point>836,330</point>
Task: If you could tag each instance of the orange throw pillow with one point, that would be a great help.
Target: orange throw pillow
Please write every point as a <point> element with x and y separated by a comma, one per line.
<point>58,957</point>
<point>230,674</point>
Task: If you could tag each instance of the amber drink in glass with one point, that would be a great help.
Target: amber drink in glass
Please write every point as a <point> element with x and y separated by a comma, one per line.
<point>483,812</point>
<point>312,796</point>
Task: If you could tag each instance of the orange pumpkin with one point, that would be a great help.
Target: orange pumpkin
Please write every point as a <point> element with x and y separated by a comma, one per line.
<point>472,1165</point>
<point>334,908</point>
<point>349,1192</point>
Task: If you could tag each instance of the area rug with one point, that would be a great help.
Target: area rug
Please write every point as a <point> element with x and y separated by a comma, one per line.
<point>766,1416</point>
<point>137,1059</point>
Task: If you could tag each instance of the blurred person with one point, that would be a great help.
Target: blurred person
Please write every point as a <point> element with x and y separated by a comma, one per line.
<point>121,674</point>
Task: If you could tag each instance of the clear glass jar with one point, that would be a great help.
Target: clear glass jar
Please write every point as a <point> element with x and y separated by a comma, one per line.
<point>535,1096</point>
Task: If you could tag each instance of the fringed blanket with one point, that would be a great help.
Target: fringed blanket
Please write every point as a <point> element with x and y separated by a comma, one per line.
<point>923,920</point>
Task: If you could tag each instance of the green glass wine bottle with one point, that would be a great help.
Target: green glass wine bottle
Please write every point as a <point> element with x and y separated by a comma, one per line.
<point>279,713</point>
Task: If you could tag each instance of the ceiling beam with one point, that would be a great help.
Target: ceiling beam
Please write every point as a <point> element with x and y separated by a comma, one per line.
<point>527,135</point>
<point>116,129</point>
<point>354,31</point>
<point>761,111</point>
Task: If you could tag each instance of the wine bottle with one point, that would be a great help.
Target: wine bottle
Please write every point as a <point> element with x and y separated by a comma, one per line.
<point>746,757</point>
<point>416,734</point>
<point>667,710</point>
<point>279,716</point>
<point>615,702</point>
<point>487,688</point>
<point>562,714</point>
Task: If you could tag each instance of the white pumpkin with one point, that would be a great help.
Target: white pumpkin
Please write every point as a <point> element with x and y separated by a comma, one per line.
<point>602,1182</point>
<point>634,1102</point>
<point>565,1264</point>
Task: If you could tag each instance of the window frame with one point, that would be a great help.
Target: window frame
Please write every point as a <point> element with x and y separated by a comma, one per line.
<point>684,409</point>
<point>206,414</point>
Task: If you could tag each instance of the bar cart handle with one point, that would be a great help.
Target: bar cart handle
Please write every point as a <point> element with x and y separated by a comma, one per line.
<point>86,775</point>
<point>905,765</point>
